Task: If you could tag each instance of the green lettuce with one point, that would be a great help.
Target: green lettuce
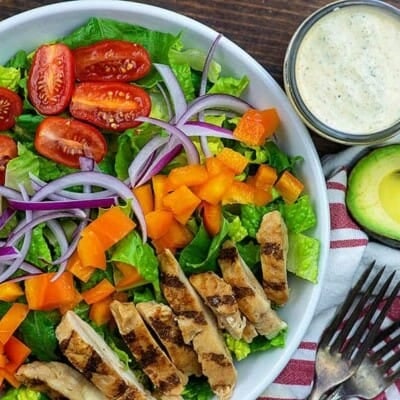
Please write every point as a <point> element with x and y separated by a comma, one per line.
<point>197,389</point>
<point>303,256</point>
<point>38,333</point>
<point>241,349</point>
<point>202,252</point>
<point>23,393</point>
<point>183,73</point>
<point>9,77</point>
<point>133,251</point>
<point>230,85</point>
<point>300,215</point>
<point>39,252</point>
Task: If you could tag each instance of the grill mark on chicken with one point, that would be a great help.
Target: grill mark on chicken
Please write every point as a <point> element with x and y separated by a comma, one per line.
<point>90,355</point>
<point>272,249</point>
<point>252,300</point>
<point>152,359</point>
<point>162,321</point>
<point>242,292</point>
<point>171,281</point>
<point>196,316</point>
<point>273,239</point>
<point>205,338</point>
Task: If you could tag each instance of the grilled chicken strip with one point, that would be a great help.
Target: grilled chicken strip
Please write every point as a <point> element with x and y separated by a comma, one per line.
<point>273,239</point>
<point>162,321</point>
<point>91,356</point>
<point>152,359</point>
<point>249,293</point>
<point>219,296</point>
<point>58,380</point>
<point>198,327</point>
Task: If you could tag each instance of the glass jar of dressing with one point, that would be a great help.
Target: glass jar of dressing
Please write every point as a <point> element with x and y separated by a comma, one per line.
<point>342,71</point>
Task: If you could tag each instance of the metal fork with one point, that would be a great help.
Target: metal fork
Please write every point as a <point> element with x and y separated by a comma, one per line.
<point>339,356</point>
<point>376,372</point>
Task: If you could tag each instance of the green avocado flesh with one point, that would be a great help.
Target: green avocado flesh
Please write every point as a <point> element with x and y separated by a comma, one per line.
<point>373,193</point>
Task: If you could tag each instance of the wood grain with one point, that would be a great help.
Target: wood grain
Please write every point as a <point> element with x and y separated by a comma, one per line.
<point>263,28</point>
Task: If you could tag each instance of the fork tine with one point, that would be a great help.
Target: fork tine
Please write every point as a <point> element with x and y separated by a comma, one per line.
<point>387,332</point>
<point>390,345</point>
<point>340,340</point>
<point>341,313</point>
<point>390,362</point>
<point>373,332</point>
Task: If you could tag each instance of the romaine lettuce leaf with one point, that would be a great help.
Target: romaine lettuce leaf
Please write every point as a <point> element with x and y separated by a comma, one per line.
<point>303,256</point>
<point>230,85</point>
<point>9,77</point>
<point>23,393</point>
<point>38,333</point>
<point>300,215</point>
<point>133,251</point>
<point>39,252</point>
<point>184,75</point>
<point>202,252</point>
<point>197,389</point>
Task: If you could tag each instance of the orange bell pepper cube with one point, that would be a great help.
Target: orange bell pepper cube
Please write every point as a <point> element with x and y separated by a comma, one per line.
<point>214,189</point>
<point>158,222</point>
<point>9,377</point>
<point>212,218</point>
<point>99,292</point>
<point>91,251</point>
<point>130,276</point>
<point>17,352</point>
<point>187,175</point>
<point>10,291</point>
<point>3,356</point>
<point>100,312</point>
<point>110,227</point>
<point>256,126</point>
<point>160,190</point>
<point>289,187</point>
<point>44,293</point>
<point>233,160</point>
<point>177,237</point>
<point>262,197</point>
<point>11,320</point>
<point>239,193</point>
<point>181,201</point>
<point>76,268</point>
<point>214,166</point>
<point>144,195</point>
<point>265,176</point>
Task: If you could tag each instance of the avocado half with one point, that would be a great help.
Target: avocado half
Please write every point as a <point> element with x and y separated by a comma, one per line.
<point>373,194</point>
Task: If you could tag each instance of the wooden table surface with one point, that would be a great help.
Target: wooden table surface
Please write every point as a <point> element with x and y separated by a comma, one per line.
<point>263,28</point>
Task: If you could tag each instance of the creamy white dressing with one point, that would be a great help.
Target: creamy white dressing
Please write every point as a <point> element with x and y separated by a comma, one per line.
<point>348,69</point>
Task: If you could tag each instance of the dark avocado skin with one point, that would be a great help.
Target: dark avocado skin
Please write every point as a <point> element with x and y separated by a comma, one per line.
<point>363,190</point>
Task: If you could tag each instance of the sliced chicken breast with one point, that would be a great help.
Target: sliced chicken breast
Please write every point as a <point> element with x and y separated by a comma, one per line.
<point>91,356</point>
<point>252,300</point>
<point>219,296</point>
<point>162,321</point>
<point>273,239</point>
<point>58,381</point>
<point>198,327</point>
<point>165,376</point>
<point>249,332</point>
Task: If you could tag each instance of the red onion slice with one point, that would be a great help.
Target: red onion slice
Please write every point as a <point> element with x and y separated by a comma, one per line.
<point>215,101</point>
<point>7,214</point>
<point>204,129</point>
<point>190,149</point>
<point>8,253</point>
<point>59,234</point>
<point>174,89</point>
<point>61,204</point>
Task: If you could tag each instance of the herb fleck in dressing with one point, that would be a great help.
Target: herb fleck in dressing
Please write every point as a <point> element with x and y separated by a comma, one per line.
<point>348,69</point>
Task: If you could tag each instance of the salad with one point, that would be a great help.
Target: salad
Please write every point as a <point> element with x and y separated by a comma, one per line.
<point>120,146</point>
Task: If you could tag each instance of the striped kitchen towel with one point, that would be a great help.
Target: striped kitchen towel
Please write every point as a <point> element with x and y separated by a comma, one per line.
<point>350,252</point>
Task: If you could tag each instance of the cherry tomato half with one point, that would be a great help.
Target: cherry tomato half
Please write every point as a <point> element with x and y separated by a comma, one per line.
<point>65,140</point>
<point>8,150</point>
<point>51,78</point>
<point>10,108</point>
<point>110,105</point>
<point>111,60</point>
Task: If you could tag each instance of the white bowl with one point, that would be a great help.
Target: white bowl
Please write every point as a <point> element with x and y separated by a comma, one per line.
<point>31,28</point>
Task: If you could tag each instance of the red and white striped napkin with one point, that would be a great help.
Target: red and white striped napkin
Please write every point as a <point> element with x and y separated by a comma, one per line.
<point>350,252</point>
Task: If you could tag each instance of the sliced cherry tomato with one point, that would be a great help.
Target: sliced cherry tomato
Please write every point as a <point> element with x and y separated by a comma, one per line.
<point>10,108</point>
<point>65,140</point>
<point>111,60</point>
<point>110,105</point>
<point>8,150</point>
<point>51,78</point>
